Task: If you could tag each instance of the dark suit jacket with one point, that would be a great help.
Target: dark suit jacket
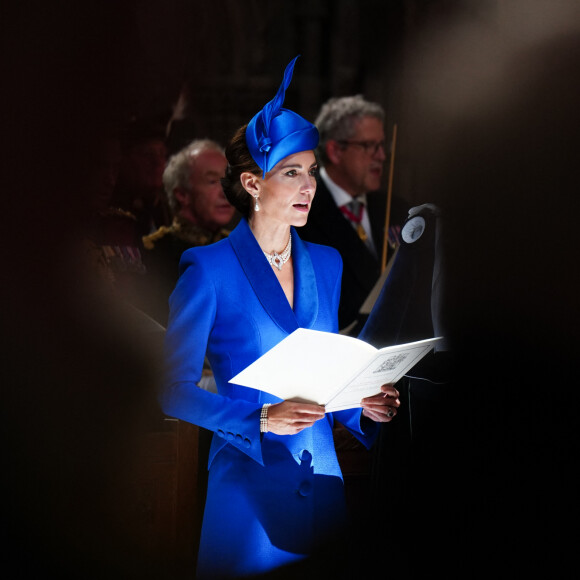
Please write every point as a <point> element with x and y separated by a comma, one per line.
<point>327,225</point>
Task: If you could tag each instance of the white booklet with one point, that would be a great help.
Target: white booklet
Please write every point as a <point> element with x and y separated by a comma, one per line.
<point>333,370</point>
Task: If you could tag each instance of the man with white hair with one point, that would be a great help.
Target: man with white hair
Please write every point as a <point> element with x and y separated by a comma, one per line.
<point>192,182</point>
<point>344,214</point>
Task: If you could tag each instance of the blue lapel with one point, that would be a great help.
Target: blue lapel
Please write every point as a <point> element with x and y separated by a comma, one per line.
<point>266,285</point>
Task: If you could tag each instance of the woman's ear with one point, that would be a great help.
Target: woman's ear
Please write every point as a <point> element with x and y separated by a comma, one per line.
<point>251,183</point>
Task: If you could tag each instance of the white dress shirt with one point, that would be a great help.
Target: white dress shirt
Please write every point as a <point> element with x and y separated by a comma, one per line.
<point>341,197</point>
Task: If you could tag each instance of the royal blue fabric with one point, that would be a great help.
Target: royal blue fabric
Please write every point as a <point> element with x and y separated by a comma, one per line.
<point>271,499</point>
<point>275,132</point>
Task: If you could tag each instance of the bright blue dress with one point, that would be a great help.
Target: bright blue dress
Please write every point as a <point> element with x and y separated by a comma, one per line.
<point>271,500</point>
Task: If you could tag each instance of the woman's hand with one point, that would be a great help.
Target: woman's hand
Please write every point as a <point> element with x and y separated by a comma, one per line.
<point>382,407</point>
<point>287,418</point>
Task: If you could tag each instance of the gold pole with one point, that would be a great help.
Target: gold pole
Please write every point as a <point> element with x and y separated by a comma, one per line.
<point>389,196</point>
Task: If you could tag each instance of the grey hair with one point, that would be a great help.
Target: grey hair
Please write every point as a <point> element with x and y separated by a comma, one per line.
<point>178,169</point>
<point>338,116</point>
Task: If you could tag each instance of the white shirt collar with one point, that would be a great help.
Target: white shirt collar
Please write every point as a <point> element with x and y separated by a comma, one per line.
<point>341,197</point>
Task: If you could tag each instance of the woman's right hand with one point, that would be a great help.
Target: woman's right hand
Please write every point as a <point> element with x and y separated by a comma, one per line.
<point>288,418</point>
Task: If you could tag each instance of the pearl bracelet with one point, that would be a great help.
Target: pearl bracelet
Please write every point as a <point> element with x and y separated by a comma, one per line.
<point>264,418</point>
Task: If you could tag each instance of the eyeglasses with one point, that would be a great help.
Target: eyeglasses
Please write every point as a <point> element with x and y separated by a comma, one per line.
<point>370,147</point>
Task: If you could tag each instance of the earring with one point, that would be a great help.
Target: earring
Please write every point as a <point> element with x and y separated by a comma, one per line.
<point>256,206</point>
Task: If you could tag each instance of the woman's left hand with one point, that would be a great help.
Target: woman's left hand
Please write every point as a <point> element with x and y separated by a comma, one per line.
<point>382,407</point>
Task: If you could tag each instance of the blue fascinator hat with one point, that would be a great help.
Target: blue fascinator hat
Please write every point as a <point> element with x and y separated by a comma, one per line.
<point>275,132</point>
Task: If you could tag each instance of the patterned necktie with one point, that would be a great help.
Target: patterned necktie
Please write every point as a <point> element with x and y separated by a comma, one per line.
<point>353,210</point>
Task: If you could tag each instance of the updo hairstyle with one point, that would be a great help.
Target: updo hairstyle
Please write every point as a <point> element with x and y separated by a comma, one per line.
<point>239,161</point>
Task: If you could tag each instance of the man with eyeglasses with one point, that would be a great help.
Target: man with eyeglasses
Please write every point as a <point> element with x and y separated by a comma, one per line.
<point>352,154</point>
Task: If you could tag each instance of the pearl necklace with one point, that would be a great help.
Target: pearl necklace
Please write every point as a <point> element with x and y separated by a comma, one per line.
<point>277,259</point>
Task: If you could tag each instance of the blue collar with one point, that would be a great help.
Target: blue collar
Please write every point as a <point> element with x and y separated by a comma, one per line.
<point>266,285</point>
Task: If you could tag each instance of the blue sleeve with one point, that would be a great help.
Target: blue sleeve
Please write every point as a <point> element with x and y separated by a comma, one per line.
<point>364,430</point>
<point>193,306</point>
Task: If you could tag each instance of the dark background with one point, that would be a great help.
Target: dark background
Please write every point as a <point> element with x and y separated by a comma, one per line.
<point>485,98</point>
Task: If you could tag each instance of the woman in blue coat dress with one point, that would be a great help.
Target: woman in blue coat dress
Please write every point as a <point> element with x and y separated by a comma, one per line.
<point>275,490</point>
